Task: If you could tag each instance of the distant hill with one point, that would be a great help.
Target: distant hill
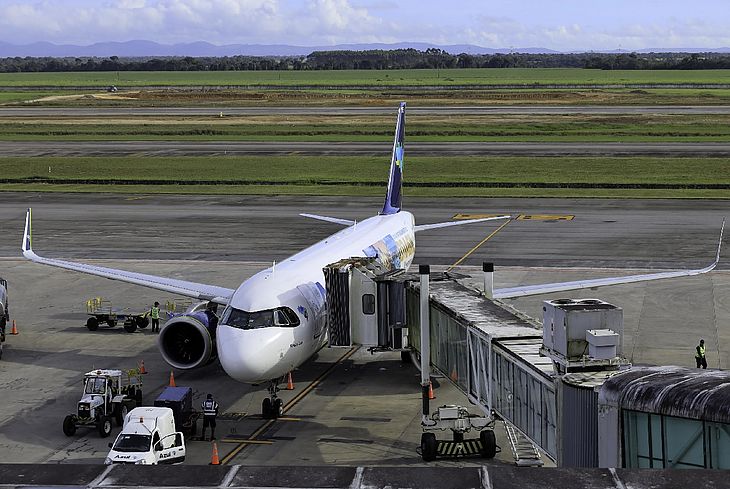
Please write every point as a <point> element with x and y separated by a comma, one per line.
<point>201,48</point>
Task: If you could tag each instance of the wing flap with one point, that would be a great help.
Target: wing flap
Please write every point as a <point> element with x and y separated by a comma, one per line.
<point>195,290</point>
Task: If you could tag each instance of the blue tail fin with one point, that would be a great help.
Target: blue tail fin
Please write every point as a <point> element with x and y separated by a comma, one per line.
<point>393,197</point>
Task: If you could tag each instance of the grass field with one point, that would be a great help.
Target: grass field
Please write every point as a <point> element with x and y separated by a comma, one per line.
<point>571,127</point>
<point>518,76</point>
<point>360,170</point>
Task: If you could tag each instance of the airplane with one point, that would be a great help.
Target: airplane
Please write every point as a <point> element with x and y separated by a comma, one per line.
<point>276,320</point>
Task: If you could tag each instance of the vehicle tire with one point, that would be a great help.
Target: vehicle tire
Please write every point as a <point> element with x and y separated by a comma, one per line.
<point>121,413</point>
<point>138,397</point>
<point>111,323</point>
<point>428,447</point>
<point>104,425</point>
<point>266,409</point>
<point>141,322</point>
<point>69,425</point>
<point>405,356</point>
<point>278,408</point>
<point>489,443</point>
<point>92,323</point>
<point>130,327</point>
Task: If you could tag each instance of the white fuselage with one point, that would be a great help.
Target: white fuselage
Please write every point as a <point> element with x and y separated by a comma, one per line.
<point>267,353</point>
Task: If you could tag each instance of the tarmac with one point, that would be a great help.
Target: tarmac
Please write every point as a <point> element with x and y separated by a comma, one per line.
<point>366,410</point>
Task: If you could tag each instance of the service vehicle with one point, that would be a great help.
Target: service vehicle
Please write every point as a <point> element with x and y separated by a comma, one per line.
<point>4,312</point>
<point>180,400</point>
<point>459,421</point>
<point>107,394</point>
<point>148,438</point>
<point>101,311</point>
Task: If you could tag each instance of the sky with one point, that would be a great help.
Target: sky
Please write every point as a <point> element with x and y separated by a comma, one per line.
<point>563,25</point>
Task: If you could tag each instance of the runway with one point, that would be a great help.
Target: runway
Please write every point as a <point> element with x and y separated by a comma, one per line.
<point>320,148</point>
<point>603,232</point>
<point>357,111</point>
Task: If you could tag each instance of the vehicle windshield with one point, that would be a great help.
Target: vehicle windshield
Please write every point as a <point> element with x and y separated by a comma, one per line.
<point>132,443</point>
<point>280,317</point>
<point>95,385</point>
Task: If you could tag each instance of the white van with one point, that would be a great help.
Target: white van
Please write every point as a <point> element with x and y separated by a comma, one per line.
<point>148,437</point>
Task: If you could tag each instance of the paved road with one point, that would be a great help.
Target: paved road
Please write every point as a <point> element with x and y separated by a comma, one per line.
<point>354,111</point>
<point>604,233</point>
<point>200,148</point>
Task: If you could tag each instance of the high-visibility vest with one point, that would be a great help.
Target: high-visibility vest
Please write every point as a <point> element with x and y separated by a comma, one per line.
<point>155,313</point>
<point>700,351</point>
<point>210,407</point>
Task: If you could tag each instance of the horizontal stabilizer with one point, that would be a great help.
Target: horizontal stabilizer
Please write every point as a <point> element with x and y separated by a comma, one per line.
<point>336,220</point>
<point>220,295</point>
<point>426,227</point>
<point>526,290</point>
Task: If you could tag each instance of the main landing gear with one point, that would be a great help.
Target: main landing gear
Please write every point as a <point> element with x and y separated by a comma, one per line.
<point>272,407</point>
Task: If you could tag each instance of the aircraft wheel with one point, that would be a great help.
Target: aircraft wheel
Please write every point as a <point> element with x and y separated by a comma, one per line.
<point>489,443</point>
<point>69,425</point>
<point>92,323</point>
<point>278,408</point>
<point>267,409</point>
<point>428,447</point>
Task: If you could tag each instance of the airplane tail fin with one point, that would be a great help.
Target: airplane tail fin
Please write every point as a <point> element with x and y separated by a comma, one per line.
<point>395,181</point>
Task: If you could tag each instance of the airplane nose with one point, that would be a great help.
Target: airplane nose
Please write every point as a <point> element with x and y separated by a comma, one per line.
<point>246,355</point>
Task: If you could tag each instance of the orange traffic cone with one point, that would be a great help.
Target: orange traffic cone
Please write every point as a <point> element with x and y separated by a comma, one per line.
<point>142,370</point>
<point>289,383</point>
<point>14,329</point>
<point>430,391</point>
<point>172,380</point>
<point>214,460</point>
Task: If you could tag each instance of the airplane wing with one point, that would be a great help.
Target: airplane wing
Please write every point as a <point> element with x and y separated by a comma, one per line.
<point>336,220</point>
<point>425,227</point>
<point>526,290</point>
<point>220,295</point>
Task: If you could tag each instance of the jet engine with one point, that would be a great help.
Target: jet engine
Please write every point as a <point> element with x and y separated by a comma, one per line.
<point>188,341</point>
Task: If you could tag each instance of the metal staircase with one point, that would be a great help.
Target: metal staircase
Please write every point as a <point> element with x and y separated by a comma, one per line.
<point>525,453</point>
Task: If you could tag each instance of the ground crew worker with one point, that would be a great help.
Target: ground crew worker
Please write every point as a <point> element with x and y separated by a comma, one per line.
<point>210,411</point>
<point>700,355</point>
<point>155,316</point>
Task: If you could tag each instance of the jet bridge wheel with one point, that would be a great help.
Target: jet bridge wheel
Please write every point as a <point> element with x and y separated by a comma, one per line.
<point>489,443</point>
<point>428,446</point>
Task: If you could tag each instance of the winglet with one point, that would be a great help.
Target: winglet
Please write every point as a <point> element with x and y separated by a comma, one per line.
<point>28,233</point>
<point>719,244</point>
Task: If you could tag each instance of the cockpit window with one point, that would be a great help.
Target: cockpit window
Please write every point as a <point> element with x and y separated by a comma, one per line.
<point>280,317</point>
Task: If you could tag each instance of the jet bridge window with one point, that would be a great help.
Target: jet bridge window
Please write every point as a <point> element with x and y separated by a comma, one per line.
<point>368,304</point>
<point>280,317</point>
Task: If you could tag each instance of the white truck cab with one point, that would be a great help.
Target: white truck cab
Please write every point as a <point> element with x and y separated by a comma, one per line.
<point>148,437</point>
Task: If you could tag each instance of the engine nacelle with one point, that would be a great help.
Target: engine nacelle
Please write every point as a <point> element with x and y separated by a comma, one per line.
<point>188,341</point>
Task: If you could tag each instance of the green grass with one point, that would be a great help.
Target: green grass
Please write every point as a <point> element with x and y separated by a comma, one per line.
<point>651,128</point>
<point>332,171</point>
<point>365,77</point>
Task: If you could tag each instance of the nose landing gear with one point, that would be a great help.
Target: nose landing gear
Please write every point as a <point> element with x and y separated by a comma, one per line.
<point>272,407</point>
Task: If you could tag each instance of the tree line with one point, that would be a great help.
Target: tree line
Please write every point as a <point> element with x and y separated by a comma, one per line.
<point>373,60</point>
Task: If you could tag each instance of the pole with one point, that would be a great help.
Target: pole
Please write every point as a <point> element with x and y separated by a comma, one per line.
<point>425,271</point>
<point>488,269</point>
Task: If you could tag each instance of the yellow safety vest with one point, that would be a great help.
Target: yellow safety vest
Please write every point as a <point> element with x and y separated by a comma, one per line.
<point>155,313</point>
<point>700,351</point>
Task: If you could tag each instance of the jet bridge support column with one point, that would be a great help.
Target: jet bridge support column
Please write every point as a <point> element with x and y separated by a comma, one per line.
<point>488,269</point>
<point>425,271</point>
